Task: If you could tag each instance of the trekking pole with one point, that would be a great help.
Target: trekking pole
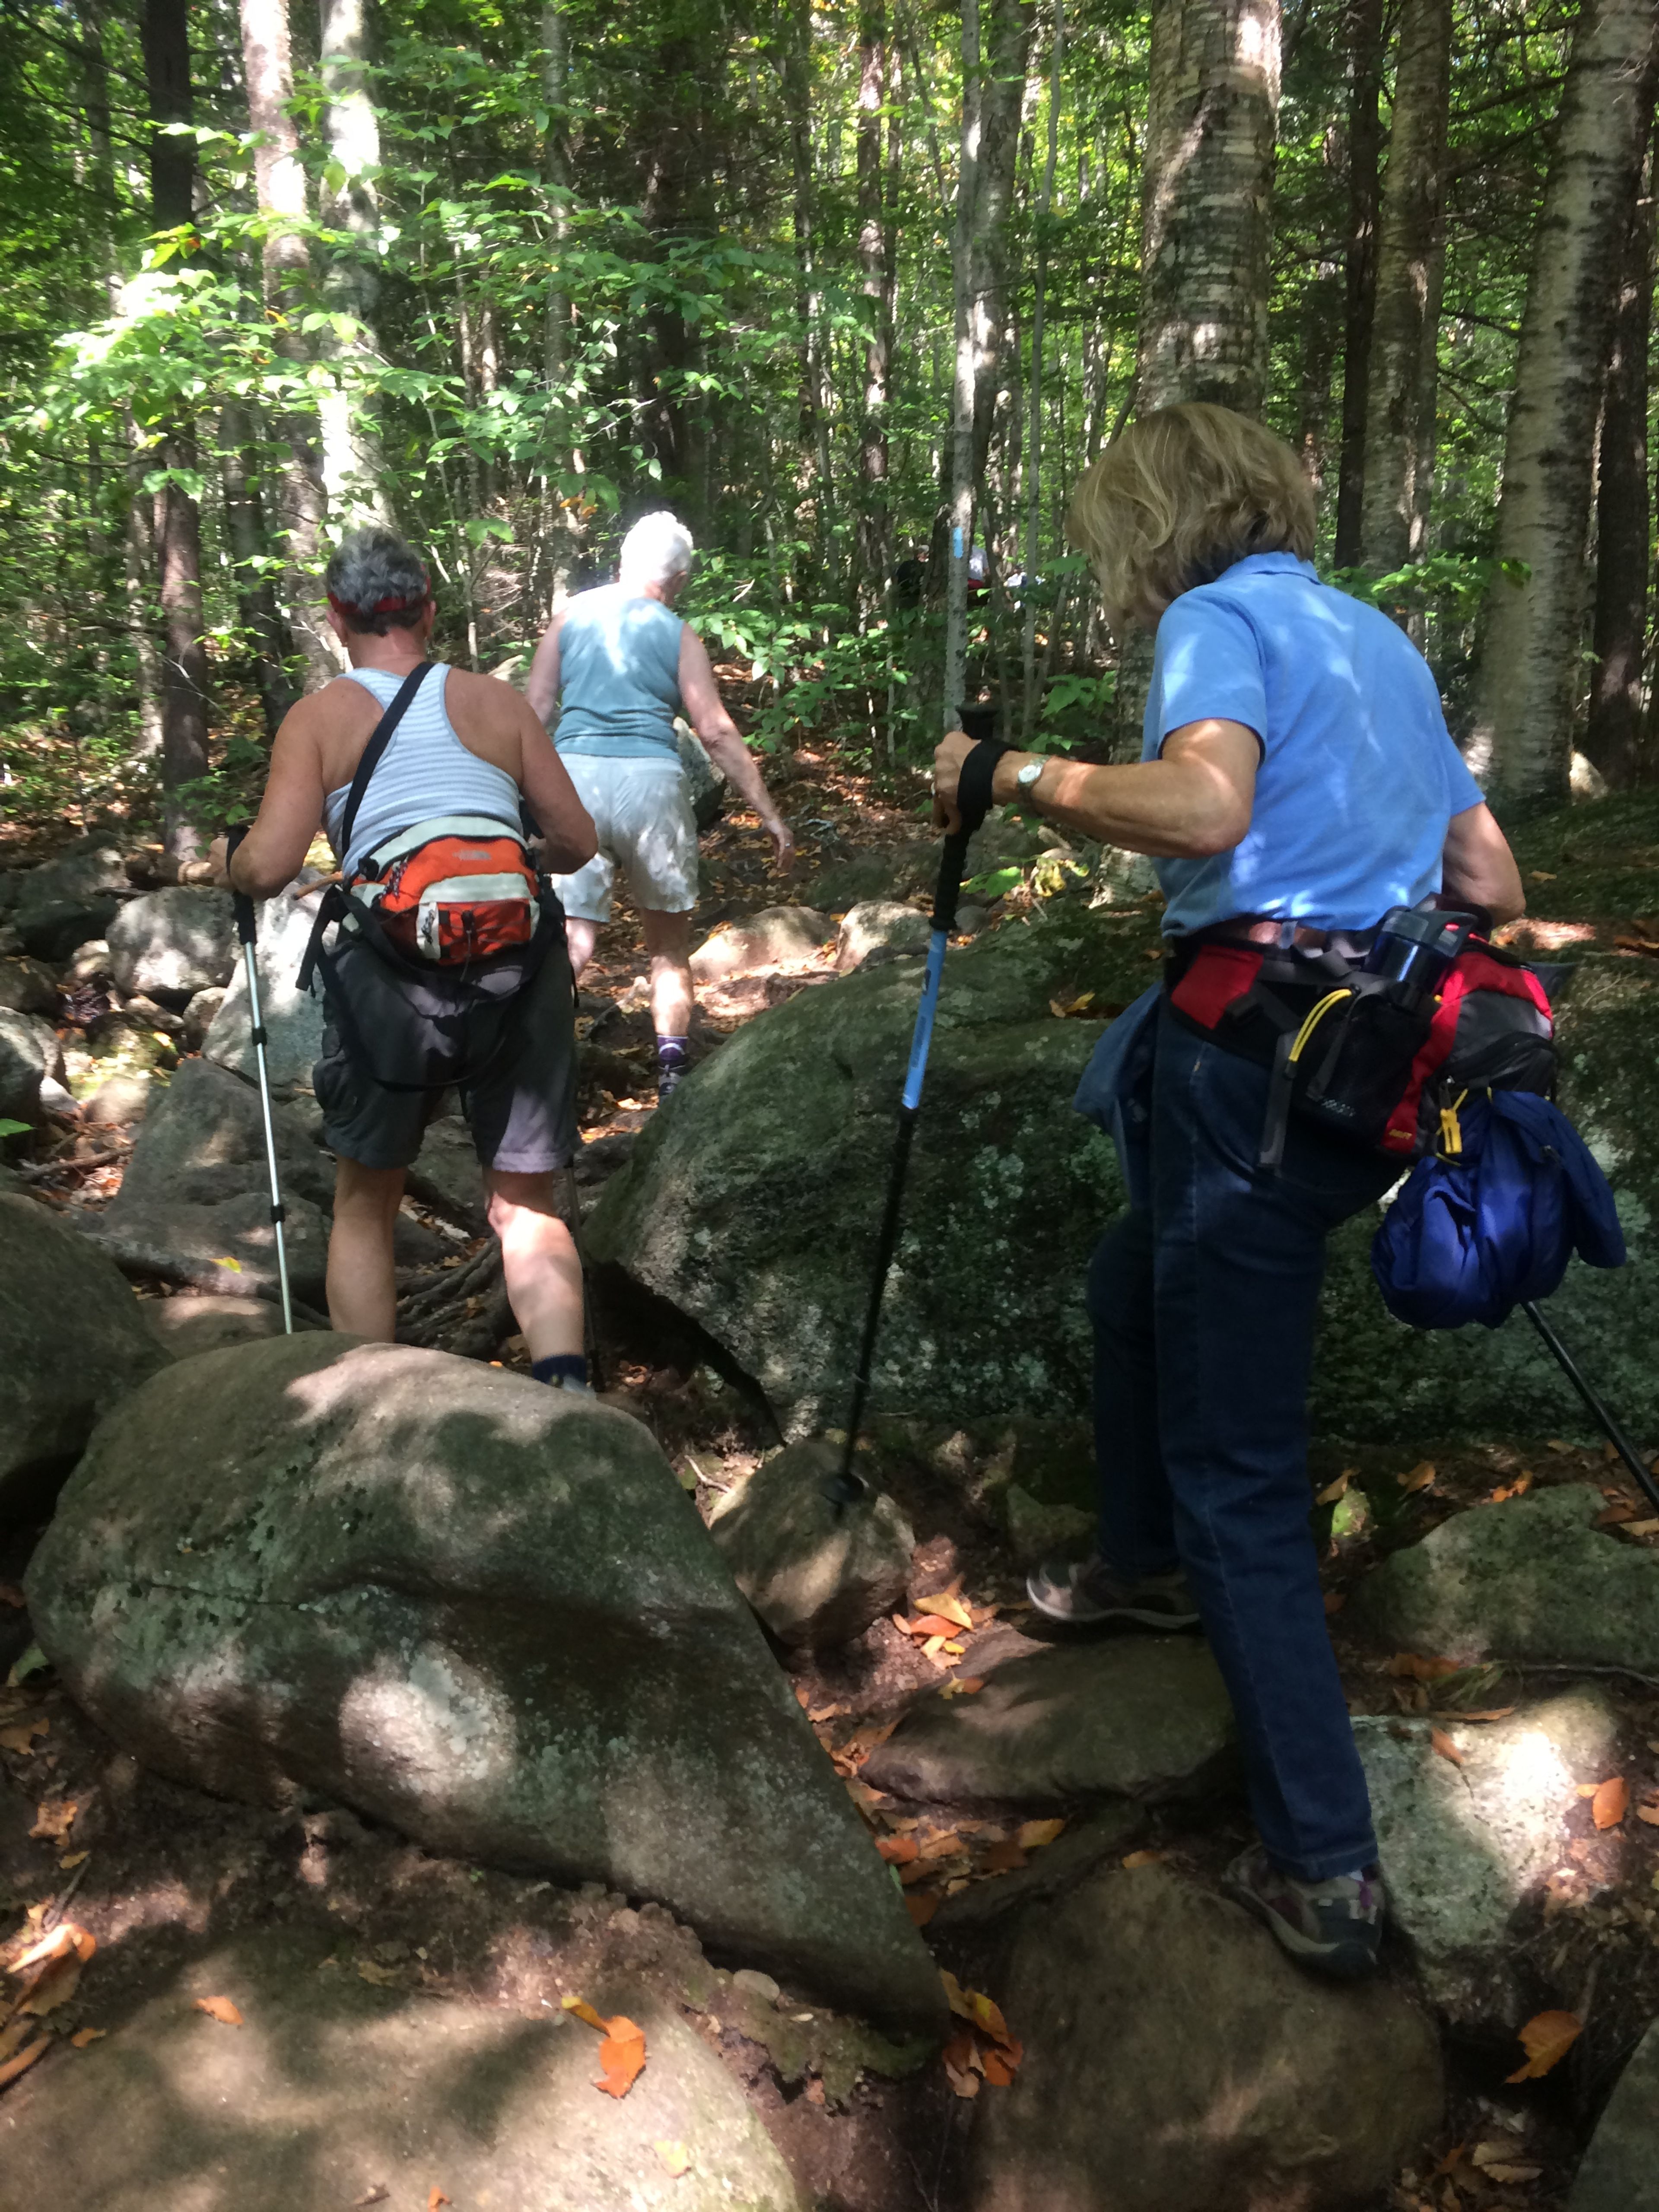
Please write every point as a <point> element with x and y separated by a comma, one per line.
<point>242,907</point>
<point>1600,1411</point>
<point>973,803</point>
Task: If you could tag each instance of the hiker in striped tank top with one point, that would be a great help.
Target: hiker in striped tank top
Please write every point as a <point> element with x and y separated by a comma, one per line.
<point>465,751</point>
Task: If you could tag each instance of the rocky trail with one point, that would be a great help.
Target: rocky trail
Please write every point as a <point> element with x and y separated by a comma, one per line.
<point>341,1788</point>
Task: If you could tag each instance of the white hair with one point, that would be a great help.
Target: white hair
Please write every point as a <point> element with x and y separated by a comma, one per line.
<point>656,549</point>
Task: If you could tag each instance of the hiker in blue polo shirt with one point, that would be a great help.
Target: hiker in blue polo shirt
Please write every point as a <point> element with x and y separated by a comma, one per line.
<point>1297,782</point>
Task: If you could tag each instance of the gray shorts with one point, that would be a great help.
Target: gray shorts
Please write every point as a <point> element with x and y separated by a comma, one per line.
<point>643,820</point>
<point>522,1106</point>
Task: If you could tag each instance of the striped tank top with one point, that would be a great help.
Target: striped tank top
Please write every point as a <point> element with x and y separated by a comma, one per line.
<point>424,772</point>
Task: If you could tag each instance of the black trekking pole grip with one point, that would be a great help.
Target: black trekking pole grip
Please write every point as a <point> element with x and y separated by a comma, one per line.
<point>240,904</point>
<point>973,804</point>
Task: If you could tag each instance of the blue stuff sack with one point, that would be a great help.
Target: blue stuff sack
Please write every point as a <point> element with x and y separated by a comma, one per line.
<point>1473,1236</point>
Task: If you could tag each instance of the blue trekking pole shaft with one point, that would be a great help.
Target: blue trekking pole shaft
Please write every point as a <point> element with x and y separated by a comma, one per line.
<point>242,907</point>
<point>973,801</point>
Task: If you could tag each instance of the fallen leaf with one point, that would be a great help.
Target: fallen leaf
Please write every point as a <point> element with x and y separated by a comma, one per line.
<point>583,2010</point>
<point>1005,1857</point>
<point>1509,2173</point>
<point>927,1625</point>
<point>66,1936</point>
<point>1485,1713</point>
<point>24,2060</point>
<point>14,2035</point>
<point>436,2199</point>
<point>21,1736</point>
<point>815,2092</point>
<point>33,1661</point>
<point>941,1606</point>
<point>675,2159</point>
<point>962,1685</point>
<point>1442,1743</point>
<point>1547,2038</point>
<point>1031,1835</point>
<point>622,2057</point>
<point>220,2009</point>
<point>898,1851</point>
<point>54,1817</point>
<point>1333,1490</point>
<point>83,2036</point>
<point>383,1978</point>
<point>974,2005</point>
<point>1418,1669</point>
<point>235,1267</point>
<point>1649,1813</point>
<point>1419,1477</point>
<point>922,1905</point>
<point>74,1859</point>
<point>1611,1801</point>
<point>1143,1859</point>
<point>963,2082</point>
<point>945,1846</point>
<point>55,1984</point>
<point>1642,1527</point>
<point>998,2072</point>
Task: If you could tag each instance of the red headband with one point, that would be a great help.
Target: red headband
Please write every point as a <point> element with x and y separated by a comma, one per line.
<point>398,605</point>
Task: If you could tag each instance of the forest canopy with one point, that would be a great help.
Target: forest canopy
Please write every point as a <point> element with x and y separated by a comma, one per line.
<point>859,290</point>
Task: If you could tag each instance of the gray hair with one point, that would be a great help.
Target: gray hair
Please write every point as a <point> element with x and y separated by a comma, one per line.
<point>656,549</point>
<point>376,582</point>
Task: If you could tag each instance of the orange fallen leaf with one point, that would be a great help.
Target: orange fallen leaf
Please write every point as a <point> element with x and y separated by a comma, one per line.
<point>1419,1477</point>
<point>898,1851</point>
<point>1333,1490</point>
<point>1033,1834</point>
<point>622,2057</point>
<point>922,1905</point>
<point>24,2059</point>
<point>55,1984</point>
<point>21,1736</point>
<point>1143,1859</point>
<point>1611,1801</point>
<point>675,2159</point>
<point>54,1817</point>
<point>1649,1813</point>
<point>940,1605</point>
<point>73,1859</point>
<point>1547,2038</point>
<point>945,1846</point>
<point>583,2010</point>
<point>974,2005</point>
<point>1442,1743</point>
<point>82,2036</point>
<point>927,1625</point>
<point>436,2199</point>
<point>66,1936</point>
<point>220,2009</point>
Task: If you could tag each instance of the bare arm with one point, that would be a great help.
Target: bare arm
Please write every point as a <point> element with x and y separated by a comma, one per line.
<point>541,684</point>
<point>1197,799</point>
<point>707,712</point>
<point>290,812</point>
<point>545,782</point>
<point>1477,865</point>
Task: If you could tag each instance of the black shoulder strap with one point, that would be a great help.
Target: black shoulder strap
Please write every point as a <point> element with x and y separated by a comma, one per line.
<point>375,751</point>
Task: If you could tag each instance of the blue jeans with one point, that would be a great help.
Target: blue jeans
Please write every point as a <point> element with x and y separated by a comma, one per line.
<point>1204,1308</point>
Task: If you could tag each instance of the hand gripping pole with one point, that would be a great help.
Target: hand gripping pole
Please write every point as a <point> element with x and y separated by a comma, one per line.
<point>242,907</point>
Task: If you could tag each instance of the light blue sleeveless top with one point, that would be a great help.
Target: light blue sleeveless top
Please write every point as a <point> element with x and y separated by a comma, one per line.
<point>619,680</point>
<point>425,771</point>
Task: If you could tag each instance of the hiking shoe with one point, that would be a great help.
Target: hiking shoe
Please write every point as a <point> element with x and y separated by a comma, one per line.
<point>1085,1594</point>
<point>671,1074</point>
<point>1334,1927</point>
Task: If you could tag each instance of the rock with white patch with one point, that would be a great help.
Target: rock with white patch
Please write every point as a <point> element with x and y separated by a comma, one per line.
<point>173,943</point>
<point>817,1561</point>
<point>293,1017</point>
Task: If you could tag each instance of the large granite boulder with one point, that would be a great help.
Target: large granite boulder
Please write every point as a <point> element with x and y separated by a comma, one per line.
<point>1176,2061</point>
<point>1619,2171</point>
<point>334,2092</point>
<point>73,1344</point>
<point>64,901</point>
<point>204,1141</point>
<point>23,1067</point>
<point>293,1017</point>
<point>1465,1840</point>
<point>175,942</point>
<point>817,1566</point>
<point>480,1610</point>
<point>753,1207</point>
<point>230,1247</point>
<point>1531,1580</point>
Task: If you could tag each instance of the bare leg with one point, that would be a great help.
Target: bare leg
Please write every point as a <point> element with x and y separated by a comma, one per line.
<point>668,946</point>
<point>363,1291</point>
<point>539,1257</point>
<point>580,937</point>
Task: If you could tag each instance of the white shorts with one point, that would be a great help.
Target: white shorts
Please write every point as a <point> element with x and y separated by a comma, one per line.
<point>643,818</point>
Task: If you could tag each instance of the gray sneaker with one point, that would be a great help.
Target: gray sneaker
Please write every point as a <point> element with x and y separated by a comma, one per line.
<point>1334,1927</point>
<point>1086,1594</point>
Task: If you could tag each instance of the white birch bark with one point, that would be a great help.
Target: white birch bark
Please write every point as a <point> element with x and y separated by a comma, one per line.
<point>1530,675</point>
<point>962,413</point>
<point>354,469</point>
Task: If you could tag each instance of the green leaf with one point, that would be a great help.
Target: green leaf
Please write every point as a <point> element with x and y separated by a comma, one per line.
<point>14,1129</point>
<point>995,881</point>
<point>33,1661</point>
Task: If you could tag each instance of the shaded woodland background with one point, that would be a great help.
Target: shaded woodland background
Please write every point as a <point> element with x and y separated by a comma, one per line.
<point>860,291</point>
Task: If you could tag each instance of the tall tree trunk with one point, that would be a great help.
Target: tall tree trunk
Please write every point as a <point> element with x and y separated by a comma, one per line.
<point>1207,204</point>
<point>815,474</point>
<point>353,468</point>
<point>1002,97</point>
<point>301,503</point>
<point>560,532</point>
<point>166,36</point>
<point>1614,732</point>
<point>1529,674</point>
<point>961,523</point>
<point>876,273</point>
<point>1364,26</point>
<point>1411,258</point>
<point>1034,432</point>
<point>245,533</point>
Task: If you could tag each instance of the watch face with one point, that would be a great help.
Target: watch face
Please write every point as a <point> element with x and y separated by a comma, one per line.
<point>1029,775</point>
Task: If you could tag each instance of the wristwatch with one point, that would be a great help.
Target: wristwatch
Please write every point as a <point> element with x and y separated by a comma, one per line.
<point>1025,778</point>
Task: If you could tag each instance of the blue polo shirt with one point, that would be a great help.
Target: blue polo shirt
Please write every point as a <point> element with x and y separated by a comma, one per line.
<point>1359,778</point>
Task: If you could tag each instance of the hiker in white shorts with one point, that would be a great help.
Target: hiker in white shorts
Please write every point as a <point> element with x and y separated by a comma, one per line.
<point>615,667</point>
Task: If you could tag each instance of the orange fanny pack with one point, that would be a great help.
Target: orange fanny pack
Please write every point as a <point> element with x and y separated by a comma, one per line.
<point>452,891</point>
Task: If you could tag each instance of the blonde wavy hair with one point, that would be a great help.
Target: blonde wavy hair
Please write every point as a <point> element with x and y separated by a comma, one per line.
<point>1181,496</point>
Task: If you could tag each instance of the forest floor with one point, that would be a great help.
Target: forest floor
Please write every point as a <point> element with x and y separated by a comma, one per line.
<point>156,1872</point>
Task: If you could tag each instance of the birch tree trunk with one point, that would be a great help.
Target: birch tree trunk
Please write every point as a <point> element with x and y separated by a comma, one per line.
<point>1034,432</point>
<point>1528,675</point>
<point>1001,99</point>
<point>961,525</point>
<point>1207,207</point>
<point>279,180</point>
<point>876,276</point>
<point>1410,266</point>
<point>178,527</point>
<point>1364,26</point>
<point>1614,730</point>
<point>353,469</point>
